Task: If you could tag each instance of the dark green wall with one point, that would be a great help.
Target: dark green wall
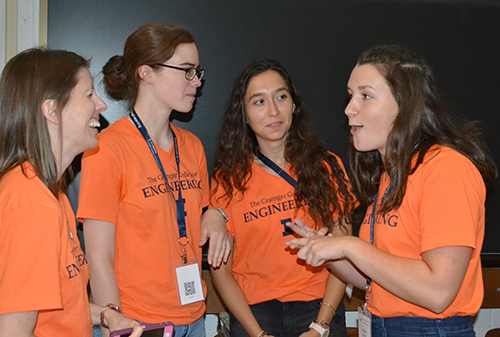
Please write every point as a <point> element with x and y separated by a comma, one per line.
<point>318,41</point>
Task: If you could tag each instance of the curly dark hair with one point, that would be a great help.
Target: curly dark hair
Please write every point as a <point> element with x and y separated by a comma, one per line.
<point>422,122</point>
<point>321,181</point>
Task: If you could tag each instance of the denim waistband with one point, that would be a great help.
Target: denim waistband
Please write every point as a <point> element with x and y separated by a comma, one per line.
<point>423,325</point>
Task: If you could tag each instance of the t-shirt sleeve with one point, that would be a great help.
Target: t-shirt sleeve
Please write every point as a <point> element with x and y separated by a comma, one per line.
<point>99,185</point>
<point>30,259</point>
<point>452,201</point>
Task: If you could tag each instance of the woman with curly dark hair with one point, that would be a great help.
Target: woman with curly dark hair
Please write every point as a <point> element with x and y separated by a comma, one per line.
<point>423,178</point>
<point>270,168</point>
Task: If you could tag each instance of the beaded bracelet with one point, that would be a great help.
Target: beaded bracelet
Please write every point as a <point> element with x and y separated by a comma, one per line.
<point>109,306</point>
<point>322,323</point>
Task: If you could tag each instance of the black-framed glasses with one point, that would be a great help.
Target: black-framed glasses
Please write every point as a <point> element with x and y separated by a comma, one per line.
<point>190,72</point>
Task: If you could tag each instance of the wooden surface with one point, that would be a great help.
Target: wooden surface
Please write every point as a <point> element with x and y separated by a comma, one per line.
<point>214,303</point>
<point>491,278</point>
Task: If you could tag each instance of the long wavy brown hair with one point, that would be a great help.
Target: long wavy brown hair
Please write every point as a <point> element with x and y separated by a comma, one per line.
<point>321,182</point>
<point>422,122</point>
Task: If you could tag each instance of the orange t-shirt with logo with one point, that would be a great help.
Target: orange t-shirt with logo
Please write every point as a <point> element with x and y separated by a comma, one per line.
<point>263,266</point>
<point>122,184</point>
<point>443,207</point>
<point>42,267</point>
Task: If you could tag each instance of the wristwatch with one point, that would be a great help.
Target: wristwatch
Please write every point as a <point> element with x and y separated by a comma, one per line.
<point>324,332</point>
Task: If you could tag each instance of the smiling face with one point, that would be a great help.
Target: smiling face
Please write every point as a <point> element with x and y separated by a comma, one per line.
<point>80,116</point>
<point>269,108</point>
<point>371,110</point>
<point>171,89</point>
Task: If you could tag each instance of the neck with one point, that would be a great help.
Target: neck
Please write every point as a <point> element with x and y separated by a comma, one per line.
<point>157,122</point>
<point>276,153</point>
<point>382,155</point>
<point>62,156</point>
<point>62,160</point>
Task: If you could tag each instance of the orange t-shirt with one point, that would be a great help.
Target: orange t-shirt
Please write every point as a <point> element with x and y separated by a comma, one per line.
<point>443,207</point>
<point>42,267</point>
<point>263,266</point>
<point>122,184</point>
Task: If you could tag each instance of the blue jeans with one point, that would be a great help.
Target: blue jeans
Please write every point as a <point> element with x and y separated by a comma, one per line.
<point>196,329</point>
<point>289,319</point>
<point>97,331</point>
<point>456,326</point>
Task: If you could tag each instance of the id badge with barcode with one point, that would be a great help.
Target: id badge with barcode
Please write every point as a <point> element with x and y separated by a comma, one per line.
<point>364,322</point>
<point>189,286</point>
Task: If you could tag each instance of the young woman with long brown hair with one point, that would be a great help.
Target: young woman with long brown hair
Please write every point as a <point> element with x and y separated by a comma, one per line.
<point>423,178</point>
<point>270,168</point>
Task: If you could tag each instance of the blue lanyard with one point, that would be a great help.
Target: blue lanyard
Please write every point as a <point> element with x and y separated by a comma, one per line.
<point>276,168</point>
<point>181,219</point>
<point>372,222</point>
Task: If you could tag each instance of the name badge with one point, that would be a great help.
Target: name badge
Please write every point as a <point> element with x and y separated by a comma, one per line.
<point>189,286</point>
<point>364,323</point>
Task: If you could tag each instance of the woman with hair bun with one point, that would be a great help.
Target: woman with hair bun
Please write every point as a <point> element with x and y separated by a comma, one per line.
<point>145,188</point>
<point>423,178</point>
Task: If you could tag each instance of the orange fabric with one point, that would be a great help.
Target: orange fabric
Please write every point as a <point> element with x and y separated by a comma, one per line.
<point>42,267</point>
<point>263,266</point>
<point>121,183</point>
<point>443,207</point>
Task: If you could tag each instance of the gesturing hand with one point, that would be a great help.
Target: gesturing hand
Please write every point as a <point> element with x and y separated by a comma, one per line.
<point>316,250</point>
<point>305,231</point>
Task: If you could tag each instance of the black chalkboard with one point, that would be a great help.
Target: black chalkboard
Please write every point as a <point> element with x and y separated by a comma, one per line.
<point>318,41</point>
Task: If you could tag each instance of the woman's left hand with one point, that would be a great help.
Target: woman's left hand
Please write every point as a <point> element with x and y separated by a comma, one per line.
<point>213,227</point>
<point>299,227</point>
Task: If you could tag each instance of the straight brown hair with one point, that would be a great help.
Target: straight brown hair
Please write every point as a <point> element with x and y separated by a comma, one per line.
<point>28,79</point>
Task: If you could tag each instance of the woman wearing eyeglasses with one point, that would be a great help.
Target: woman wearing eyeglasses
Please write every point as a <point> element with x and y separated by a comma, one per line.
<point>144,189</point>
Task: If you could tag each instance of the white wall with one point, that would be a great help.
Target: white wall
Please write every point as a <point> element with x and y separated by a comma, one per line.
<point>3,17</point>
<point>23,25</point>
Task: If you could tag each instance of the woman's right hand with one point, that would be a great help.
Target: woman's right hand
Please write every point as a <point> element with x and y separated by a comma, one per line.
<point>117,321</point>
<point>299,227</point>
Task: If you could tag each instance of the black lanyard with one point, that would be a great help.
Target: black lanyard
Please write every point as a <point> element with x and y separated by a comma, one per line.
<point>181,219</point>
<point>276,168</point>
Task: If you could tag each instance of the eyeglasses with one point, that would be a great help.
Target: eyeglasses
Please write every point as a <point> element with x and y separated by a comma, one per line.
<point>190,72</point>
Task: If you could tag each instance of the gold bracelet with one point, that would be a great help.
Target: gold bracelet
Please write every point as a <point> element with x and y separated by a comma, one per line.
<point>329,306</point>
